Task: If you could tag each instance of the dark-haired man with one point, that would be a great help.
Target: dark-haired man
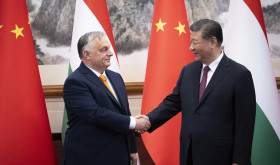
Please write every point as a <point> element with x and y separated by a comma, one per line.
<point>217,99</point>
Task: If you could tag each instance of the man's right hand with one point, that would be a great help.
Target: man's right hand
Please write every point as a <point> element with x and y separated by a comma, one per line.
<point>142,123</point>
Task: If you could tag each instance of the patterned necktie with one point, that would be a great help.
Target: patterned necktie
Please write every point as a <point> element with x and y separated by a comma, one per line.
<point>203,81</point>
<point>103,79</point>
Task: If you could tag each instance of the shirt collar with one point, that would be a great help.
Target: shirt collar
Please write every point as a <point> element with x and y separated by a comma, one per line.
<point>215,63</point>
<point>97,73</point>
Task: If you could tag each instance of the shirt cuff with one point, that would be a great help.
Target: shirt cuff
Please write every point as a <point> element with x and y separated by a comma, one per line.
<point>132,123</point>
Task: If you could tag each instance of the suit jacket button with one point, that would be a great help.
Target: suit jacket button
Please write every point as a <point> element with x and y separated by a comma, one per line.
<point>196,116</point>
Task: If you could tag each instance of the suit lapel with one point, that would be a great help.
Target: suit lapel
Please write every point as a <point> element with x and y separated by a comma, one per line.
<point>94,79</point>
<point>115,83</point>
<point>220,72</point>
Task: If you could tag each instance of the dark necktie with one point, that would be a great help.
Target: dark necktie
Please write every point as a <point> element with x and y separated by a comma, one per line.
<point>203,81</point>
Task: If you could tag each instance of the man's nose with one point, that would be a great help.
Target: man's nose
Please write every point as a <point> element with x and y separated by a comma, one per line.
<point>191,47</point>
<point>109,53</point>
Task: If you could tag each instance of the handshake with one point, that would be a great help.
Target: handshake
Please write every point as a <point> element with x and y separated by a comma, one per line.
<point>142,123</point>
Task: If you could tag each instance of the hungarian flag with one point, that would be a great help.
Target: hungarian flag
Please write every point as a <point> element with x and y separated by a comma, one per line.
<point>246,42</point>
<point>168,53</point>
<point>25,134</point>
<point>90,15</point>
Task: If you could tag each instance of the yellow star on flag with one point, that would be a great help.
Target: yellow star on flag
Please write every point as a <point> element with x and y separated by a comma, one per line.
<point>1,26</point>
<point>181,28</point>
<point>18,31</point>
<point>160,25</point>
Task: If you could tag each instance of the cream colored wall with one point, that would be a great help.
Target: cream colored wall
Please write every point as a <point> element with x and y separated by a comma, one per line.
<point>53,74</point>
<point>55,108</point>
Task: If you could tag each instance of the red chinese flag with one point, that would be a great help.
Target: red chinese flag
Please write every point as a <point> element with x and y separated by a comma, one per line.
<point>25,135</point>
<point>168,53</point>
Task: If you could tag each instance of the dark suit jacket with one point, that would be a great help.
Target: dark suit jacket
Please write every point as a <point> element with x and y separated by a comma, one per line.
<point>98,130</point>
<point>220,125</point>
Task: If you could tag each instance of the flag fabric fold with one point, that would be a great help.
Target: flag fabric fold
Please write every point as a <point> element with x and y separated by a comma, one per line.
<point>168,53</point>
<point>246,43</point>
<point>25,131</point>
<point>90,15</point>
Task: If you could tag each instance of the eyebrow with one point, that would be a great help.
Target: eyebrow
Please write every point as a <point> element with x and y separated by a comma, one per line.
<point>193,40</point>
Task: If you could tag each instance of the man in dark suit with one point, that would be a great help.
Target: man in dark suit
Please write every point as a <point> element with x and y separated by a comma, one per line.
<point>100,126</point>
<point>217,99</point>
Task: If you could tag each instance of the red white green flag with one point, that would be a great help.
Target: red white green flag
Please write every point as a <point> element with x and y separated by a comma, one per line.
<point>246,42</point>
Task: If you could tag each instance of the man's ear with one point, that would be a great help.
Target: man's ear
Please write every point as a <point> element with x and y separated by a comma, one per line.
<point>214,42</point>
<point>86,54</point>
